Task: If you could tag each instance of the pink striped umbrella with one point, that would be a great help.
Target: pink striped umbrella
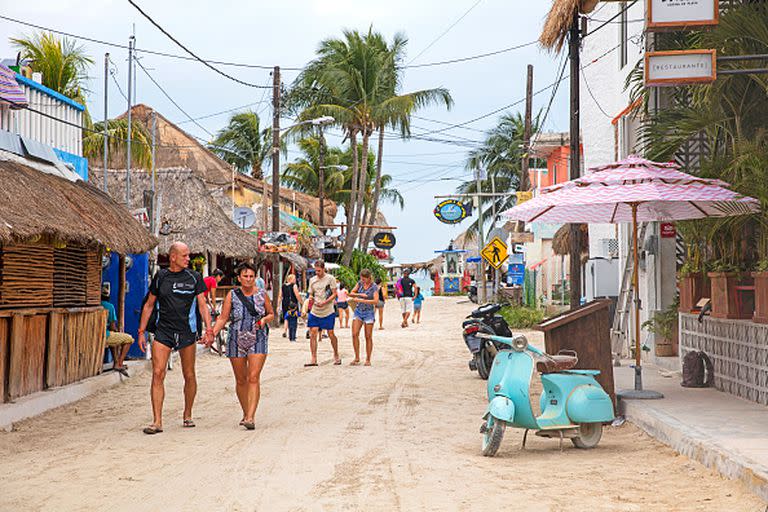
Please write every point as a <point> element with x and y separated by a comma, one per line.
<point>10,92</point>
<point>634,190</point>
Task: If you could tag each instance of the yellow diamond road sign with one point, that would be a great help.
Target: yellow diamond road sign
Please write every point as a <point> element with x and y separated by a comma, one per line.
<point>495,252</point>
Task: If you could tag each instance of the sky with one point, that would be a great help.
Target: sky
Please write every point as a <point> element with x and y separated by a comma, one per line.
<point>287,34</point>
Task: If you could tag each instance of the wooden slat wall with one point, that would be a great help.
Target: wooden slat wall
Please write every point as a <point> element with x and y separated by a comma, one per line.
<point>70,276</point>
<point>26,276</point>
<point>5,329</point>
<point>76,342</point>
<point>93,277</point>
<point>27,354</point>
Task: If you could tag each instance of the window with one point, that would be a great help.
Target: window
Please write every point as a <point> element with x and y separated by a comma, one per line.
<point>623,36</point>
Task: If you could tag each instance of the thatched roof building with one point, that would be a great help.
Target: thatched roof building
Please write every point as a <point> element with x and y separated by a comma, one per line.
<point>560,19</point>
<point>561,242</point>
<point>35,204</point>
<point>188,210</point>
<point>175,149</point>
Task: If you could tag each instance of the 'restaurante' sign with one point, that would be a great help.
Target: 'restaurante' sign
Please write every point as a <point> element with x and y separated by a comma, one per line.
<point>680,67</point>
<point>679,14</point>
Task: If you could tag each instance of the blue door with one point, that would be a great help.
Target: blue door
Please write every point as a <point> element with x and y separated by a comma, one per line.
<point>137,285</point>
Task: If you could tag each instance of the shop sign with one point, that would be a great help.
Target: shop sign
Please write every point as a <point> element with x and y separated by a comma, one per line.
<point>384,240</point>
<point>680,67</point>
<point>450,211</point>
<point>668,230</point>
<point>681,14</point>
<point>524,196</point>
<point>278,241</point>
<point>516,274</point>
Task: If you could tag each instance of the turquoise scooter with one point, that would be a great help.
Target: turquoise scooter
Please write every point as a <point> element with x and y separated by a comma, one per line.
<point>572,405</point>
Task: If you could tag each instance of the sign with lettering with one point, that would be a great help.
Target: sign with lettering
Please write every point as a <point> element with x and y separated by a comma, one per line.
<point>681,14</point>
<point>668,230</point>
<point>450,211</point>
<point>680,67</point>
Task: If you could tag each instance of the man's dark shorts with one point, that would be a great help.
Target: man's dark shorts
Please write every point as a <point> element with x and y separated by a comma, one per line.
<point>173,341</point>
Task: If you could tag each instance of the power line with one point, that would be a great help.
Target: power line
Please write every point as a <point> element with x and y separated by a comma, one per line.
<point>447,123</point>
<point>472,57</point>
<point>606,23</point>
<point>204,62</point>
<point>589,90</point>
<point>551,100</point>
<point>443,33</point>
<point>208,116</point>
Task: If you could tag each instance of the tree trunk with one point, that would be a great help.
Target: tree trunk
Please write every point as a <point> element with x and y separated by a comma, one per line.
<point>349,241</point>
<point>376,191</point>
<point>362,182</point>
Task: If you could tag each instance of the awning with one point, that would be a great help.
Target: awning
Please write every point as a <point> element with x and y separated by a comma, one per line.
<point>10,92</point>
<point>300,262</point>
<point>294,222</point>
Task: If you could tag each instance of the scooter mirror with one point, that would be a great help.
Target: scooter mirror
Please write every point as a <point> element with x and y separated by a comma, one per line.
<point>519,343</point>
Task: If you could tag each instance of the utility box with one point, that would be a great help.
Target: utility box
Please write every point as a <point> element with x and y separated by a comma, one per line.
<point>587,331</point>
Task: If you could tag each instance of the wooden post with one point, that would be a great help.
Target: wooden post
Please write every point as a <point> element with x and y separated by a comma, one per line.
<point>121,293</point>
<point>524,179</point>
<point>575,158</point>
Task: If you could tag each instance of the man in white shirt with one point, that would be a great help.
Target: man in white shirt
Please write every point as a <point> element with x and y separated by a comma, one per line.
<point>322,316</point>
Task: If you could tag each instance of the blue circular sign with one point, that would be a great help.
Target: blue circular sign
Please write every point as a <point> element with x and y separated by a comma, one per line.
<point>450,211</point>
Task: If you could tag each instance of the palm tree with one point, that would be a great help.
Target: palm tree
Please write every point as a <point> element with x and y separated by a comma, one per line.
<point>62,62</point>
<point>243,144</point>
<point>353,79</point>
<point>303,174</point>
<point>117,134</point>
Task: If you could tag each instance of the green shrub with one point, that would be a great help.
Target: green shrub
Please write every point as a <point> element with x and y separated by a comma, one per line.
<point>360,260</point>
<point>521,317</point>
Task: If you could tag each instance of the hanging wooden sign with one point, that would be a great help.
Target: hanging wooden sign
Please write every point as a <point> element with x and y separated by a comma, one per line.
<point>680,67</point>
<point>681,14</point>
<point>384,240</point>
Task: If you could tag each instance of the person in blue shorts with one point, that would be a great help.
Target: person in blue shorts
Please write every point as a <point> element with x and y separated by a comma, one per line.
<point>322,317</point>
<point>418,301</point>
<point>365,293</point>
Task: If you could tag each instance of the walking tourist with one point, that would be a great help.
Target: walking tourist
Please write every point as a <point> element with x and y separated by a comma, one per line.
<point>418,301</point>
<point>211,283</point>
<point>405,294</point>
<point>342,306</point>
<point>289,300</point>
<point>382,297</point>
<point>177,291</point>
<point>365,294</point>
<point>248,310</point>
<point>322,293</point>
<point>118,342</point>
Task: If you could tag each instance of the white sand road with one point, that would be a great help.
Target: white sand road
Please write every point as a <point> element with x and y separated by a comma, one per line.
<point>401,435</point>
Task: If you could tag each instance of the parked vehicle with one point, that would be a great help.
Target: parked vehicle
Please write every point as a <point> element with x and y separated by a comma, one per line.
<point>572,405</point>
<point>484,320</point>
<point>472,293</point>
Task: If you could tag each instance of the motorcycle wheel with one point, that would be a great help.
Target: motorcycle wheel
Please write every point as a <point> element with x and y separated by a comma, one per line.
<point>494,432</point>
<point>589,435</point>
<point>484,363</point>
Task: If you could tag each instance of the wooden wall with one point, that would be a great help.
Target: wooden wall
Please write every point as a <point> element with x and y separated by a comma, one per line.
<point>76,341</point>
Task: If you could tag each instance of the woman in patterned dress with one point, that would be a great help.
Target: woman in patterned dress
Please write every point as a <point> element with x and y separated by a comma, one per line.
<point>249,310</point>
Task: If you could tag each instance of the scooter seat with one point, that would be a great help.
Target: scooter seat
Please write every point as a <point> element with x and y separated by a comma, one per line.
<point>557,363</point>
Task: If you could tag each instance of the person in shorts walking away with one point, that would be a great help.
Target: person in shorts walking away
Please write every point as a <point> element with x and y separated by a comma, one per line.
<point>418,301</point>
<point>322,293</point>
<point>290,298</point>
<point>405,289</point>
<point>178,292</point>
<point>249,310</point>
<point>381,302</point>
<point>365,293</point>
<point>342,304</point>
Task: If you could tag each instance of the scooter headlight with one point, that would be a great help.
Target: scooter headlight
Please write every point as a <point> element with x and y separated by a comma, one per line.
<point>519,343</point>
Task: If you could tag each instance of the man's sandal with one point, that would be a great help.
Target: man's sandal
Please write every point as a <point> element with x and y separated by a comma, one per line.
<point>152,429</point>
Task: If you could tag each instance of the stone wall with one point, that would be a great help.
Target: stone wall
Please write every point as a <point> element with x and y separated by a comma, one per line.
<point>739,353</point>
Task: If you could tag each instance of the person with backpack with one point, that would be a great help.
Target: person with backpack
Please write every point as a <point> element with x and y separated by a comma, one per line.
<point>404,292</point>
<point>289,303</point>
<point>249,312</point>
<point>176,296</point>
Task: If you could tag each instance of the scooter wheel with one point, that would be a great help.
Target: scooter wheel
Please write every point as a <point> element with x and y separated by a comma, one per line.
<point>589,435</point>
<point>484,363</point>
<point>492,436</point>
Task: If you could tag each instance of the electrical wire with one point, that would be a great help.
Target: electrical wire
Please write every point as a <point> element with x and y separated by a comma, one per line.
<point>443,33</point>
<point>471,57</point>
<point>204,62</point>
<point>605,23</point>
<point>208,116</point>
<point>589,90</point>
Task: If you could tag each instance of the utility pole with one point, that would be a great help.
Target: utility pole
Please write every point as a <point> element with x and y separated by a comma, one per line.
<point>154,173</point>
<point>106,119</point>
<point>496,273</point>
<point>128,151</point>
<point>480,239</point>
<point>321,178</point>
<point>525,180</point>
<point>574,44</point>
<point>275,177</point>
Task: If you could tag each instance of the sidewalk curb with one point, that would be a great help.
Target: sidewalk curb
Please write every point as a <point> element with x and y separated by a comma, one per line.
<point>43,401</point>
<point>696,445</point>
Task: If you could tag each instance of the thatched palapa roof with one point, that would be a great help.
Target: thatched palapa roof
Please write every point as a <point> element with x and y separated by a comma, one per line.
<point>561,242</point>
<point>36,204</point>
<point>187,206</point>
<point>560,19</point>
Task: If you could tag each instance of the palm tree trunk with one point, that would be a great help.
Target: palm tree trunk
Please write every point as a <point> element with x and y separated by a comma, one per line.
<point>349,241</point>
<point>376,190</point>
<point>362,181</point>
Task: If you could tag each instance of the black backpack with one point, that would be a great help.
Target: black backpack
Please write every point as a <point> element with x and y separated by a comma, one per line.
<point>697,370</point>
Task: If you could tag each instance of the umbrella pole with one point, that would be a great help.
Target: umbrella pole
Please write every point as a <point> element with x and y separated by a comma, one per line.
<point>638,391</point>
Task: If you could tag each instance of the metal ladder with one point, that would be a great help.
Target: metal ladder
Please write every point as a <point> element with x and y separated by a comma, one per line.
<point>620,330</point>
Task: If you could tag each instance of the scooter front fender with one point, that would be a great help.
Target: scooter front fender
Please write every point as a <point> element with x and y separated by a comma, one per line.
<point>501,408</point>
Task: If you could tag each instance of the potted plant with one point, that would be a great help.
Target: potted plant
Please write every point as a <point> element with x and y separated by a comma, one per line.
<point>693,284</point>
<point>664,327</point>
<point>761,292</point>
<point>725,276</point>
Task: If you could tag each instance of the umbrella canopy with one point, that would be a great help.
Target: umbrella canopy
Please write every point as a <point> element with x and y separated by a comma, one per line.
<point>659,192</point>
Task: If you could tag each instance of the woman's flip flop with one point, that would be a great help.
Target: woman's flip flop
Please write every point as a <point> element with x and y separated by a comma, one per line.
<point>188,424</point>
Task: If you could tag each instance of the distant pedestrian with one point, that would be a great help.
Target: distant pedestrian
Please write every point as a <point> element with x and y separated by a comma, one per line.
<point>381,302</point>
<point>249,311</point>
<point>342,304</point>
<point>418,301</point>
<point>289,300</point>
<point>211,283</point>
<point>405,294</point>
<point>118,342</point>
<point>322,293</point>
<point>365,294</point>
<point>178,291</point>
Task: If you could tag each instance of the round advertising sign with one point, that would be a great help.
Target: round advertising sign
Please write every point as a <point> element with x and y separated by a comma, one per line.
<point>450,211</point>
<point>384,240</point>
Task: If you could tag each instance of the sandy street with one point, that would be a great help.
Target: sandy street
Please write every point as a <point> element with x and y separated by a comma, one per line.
<point>401,435</point>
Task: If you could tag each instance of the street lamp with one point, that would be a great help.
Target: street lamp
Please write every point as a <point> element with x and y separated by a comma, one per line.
<point>321,187</point>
